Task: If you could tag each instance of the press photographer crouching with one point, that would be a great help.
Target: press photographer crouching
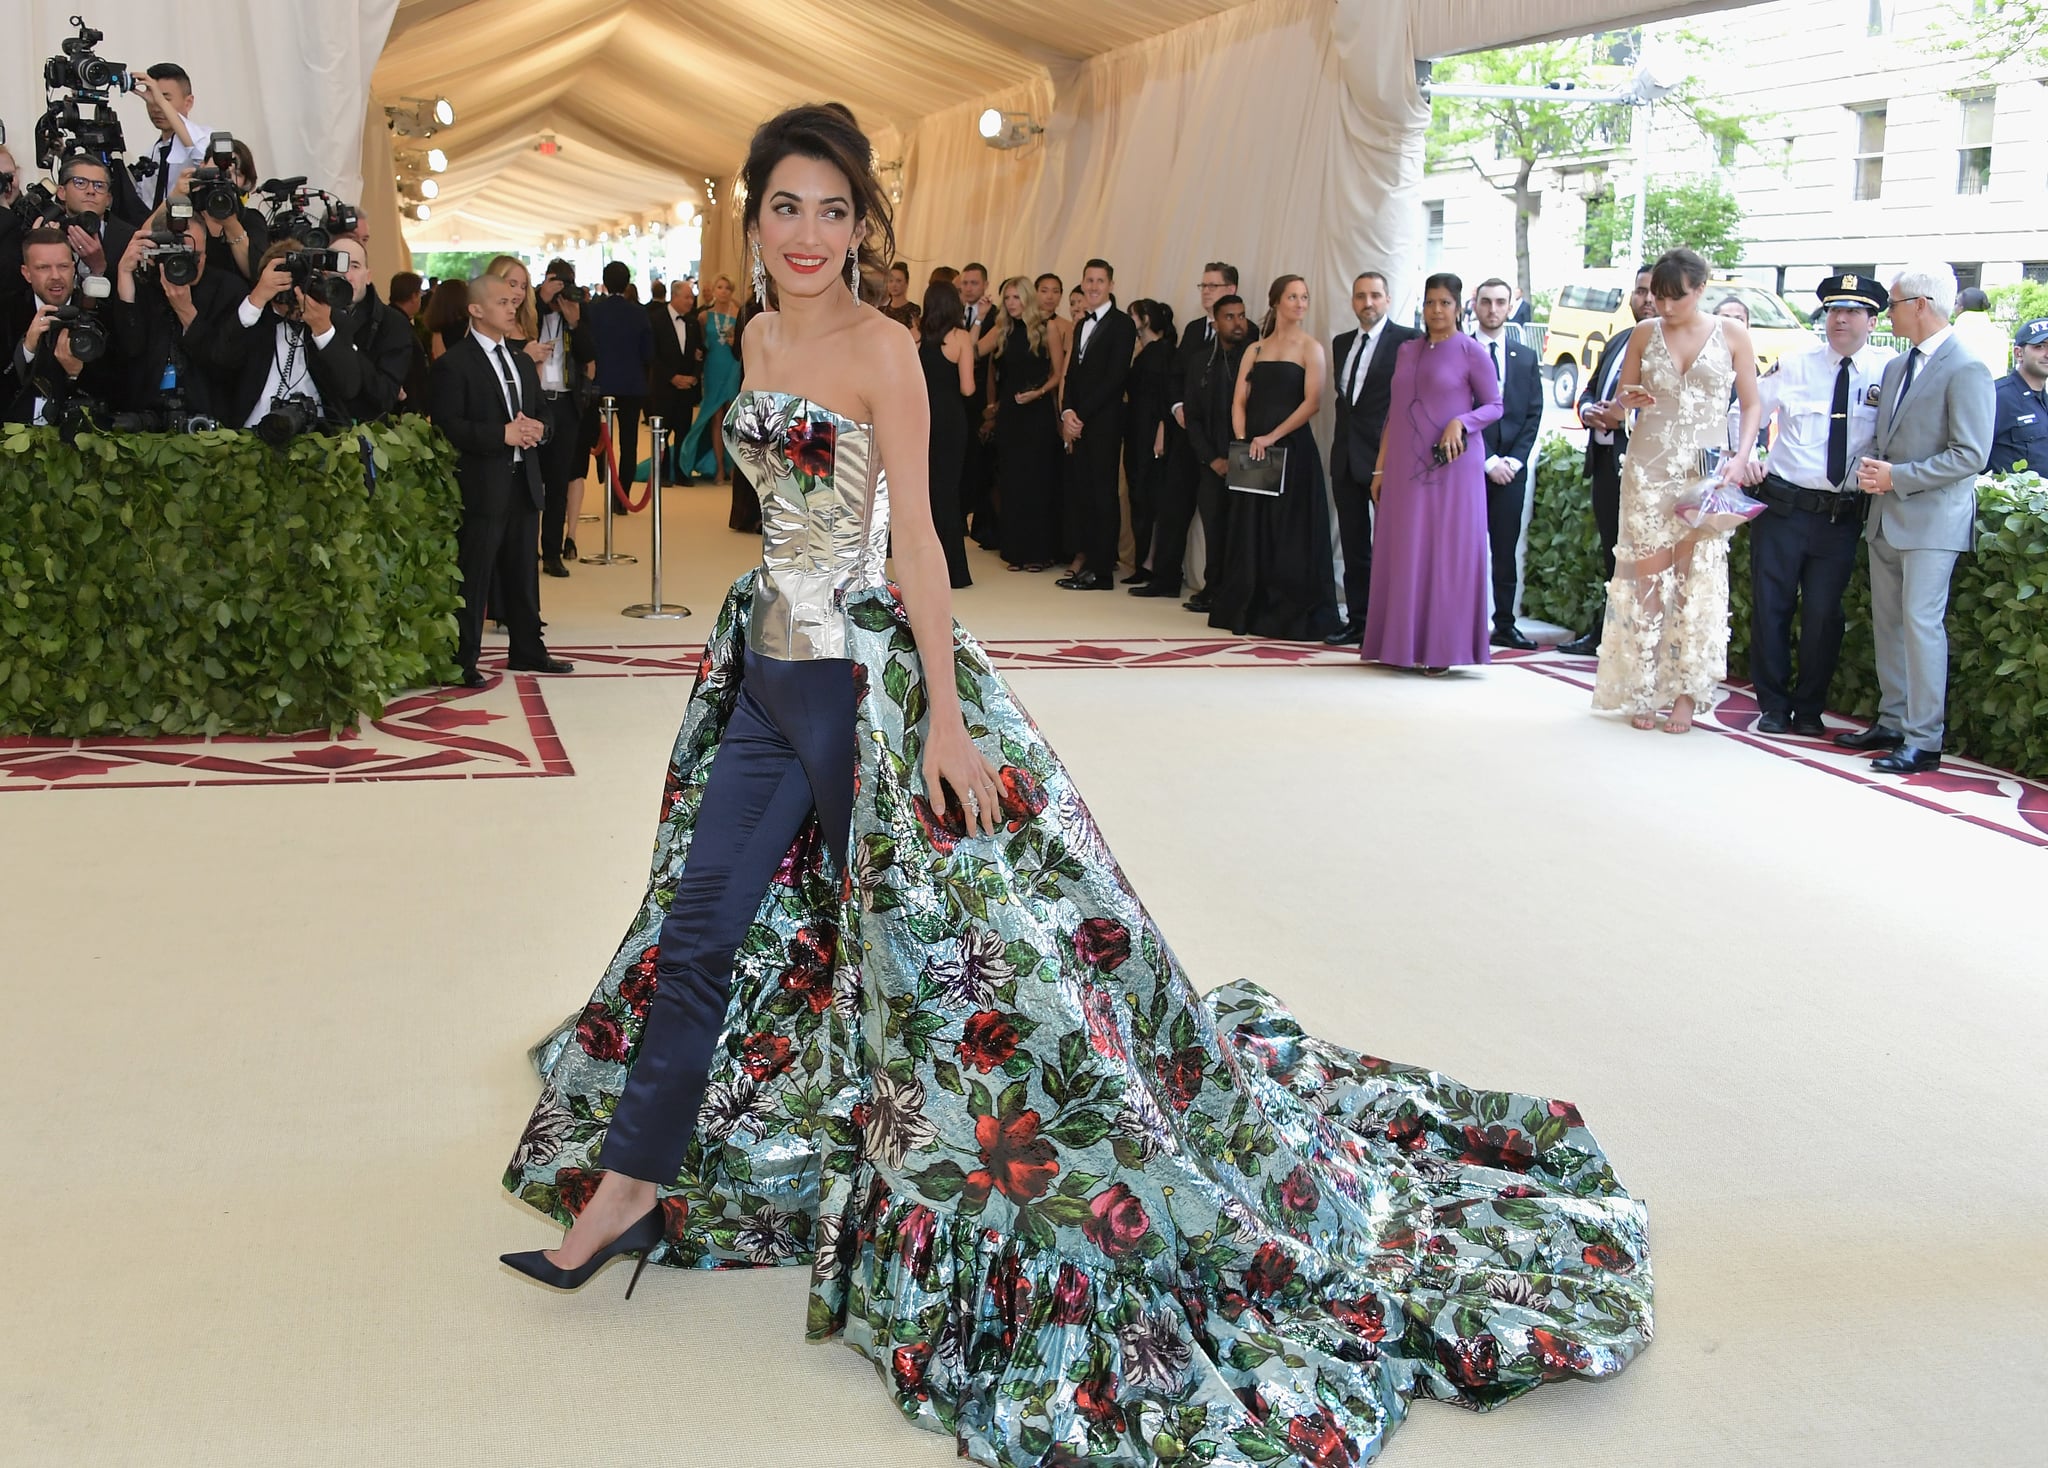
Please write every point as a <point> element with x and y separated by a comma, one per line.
<point>290,351</point>
<point>61,368</point>
<point>171,312</point>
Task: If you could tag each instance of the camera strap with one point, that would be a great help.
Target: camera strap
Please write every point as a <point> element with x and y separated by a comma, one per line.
<point>295,332</point>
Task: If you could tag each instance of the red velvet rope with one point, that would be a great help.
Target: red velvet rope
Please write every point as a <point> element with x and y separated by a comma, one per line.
<point>622,498</point>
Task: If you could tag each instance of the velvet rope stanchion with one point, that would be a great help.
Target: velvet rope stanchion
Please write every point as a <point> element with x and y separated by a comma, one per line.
<point>608,466</point>
<point>654,608</point>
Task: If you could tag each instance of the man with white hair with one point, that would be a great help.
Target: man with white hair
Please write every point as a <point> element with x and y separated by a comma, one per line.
<point>1934,418</point>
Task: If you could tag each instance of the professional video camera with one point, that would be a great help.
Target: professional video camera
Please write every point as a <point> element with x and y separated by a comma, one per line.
<point>322,274</point>
<point>287,419</point>
<point>35,204</point>
<point>173,417</point>
<point>289,212</point>
<point>77,84</point>
<point>213,188</point>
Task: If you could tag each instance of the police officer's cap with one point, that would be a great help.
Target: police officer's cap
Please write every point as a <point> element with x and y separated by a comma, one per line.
<point>1852,290</point>
<point>2031,333</point>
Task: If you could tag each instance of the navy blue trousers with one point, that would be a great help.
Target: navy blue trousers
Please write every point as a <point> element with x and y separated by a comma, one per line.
<point>788,751</point>
<point>1800,563</point>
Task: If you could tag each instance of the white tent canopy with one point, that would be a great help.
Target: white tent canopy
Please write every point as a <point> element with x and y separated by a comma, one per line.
<point>1282,134</point>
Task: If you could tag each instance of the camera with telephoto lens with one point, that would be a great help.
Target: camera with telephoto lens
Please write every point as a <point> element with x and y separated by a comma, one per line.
<point>88,334</point>
<point>287,419</point>
<point>76,85</point>
<point>35,202</point>
<point>291,217</point>
<point>212,188</point>
<point>322,274</point>
<point>173,417</point>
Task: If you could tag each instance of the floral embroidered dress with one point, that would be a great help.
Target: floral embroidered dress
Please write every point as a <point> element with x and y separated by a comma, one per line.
<point>1666,632</point>
<point>1074,1211</point>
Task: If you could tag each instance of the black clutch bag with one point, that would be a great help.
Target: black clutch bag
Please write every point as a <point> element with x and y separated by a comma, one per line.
<point>1256,476</point>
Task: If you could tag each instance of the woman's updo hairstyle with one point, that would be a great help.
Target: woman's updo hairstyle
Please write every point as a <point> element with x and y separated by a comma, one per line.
<point>827,132</point>
<point>1273,295</point>
<point>1677,273</point>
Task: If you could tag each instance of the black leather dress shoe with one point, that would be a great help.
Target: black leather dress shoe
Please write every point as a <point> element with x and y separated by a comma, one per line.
<point>1774,723</point>
<point>1512,637</point>
<point>1875,737</point>
<point>545,665</point>
<point>1809,726</point>
<point>1349,635</point>
<point>471,678</point>
<point>1585,645</point>
<point>1199,602</point>
<point>1906,760</point>
<point>1087,581</point>
<point>1066,582</point>
<point>1137,578</point>
<point>1157,588</point>
<point>552,566</point>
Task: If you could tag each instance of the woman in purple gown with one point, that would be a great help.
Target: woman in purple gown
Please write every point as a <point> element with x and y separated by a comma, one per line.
<point>1429,583</point>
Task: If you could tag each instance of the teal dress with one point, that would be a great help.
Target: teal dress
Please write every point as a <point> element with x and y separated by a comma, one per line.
<point>721,385</point>
<point>1074,1210</point>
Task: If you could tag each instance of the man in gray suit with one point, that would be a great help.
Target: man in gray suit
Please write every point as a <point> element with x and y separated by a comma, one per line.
<point>1934,415</point>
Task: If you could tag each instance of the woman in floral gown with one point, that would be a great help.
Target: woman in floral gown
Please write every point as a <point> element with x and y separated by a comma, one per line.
<point>1664,646</point>
<point>1072,1210</point>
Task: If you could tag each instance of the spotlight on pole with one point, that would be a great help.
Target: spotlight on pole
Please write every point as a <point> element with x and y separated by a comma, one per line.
<point>437,160</point>
<point>1007,130</point>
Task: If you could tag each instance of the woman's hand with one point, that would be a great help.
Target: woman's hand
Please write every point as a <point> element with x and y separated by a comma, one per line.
<point>1258,446</point>
<point>955,770</point>
<point>1736,472</point>
<point>1635,395</point>
<point>1452,440</point>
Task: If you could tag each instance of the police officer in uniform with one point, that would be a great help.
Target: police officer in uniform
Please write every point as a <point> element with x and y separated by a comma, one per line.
<point>2020,433</point>
<point>1802,549</point>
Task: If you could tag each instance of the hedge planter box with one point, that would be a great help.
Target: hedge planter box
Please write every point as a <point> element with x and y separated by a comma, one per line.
<point>1997,608</point>
<point>173,584</point>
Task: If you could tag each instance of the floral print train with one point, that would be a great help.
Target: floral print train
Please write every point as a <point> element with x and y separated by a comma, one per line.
<point>1073,1211</point>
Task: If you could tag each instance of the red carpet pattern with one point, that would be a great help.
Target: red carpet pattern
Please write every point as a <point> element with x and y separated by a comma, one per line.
<point>504,730</point>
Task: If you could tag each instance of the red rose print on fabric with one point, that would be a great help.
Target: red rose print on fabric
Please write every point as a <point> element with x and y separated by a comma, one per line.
<point>1567,1113</point>
<point>577,1187</point>
<point>600,1035</point>
<point>1408,1133</point>
<point>1558,1355</point>
<point>1072,1298</point>
<point>1095,1399</point>
<point>1103,942</point>
<point>1015,1160</point>
<point>765,1055</point>
<point>1099,1011</point>
<point>1116,1221</point>
<point>810,969</point>
<point>636,990</point>
<point>907,1366</point>
<point>1320,1441</point>
<point>914,1238</point>
<point>987,1040</point>
<point>1498,1146</point>
<point>1364,1317</point>
<point>940,833</point>
<point>675,1217</point>
<point>1299,1193</point>
<point>809,446</point>
<point>1270,1270</point>
<point>1180,1075</point>
<point>1470,1361</point>
<point>1604,1256</point>
<point>1021,795</point>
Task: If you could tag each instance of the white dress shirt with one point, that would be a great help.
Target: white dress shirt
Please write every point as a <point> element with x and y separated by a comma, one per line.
<point>1089,321</point>
<point>500,365</point>
<point>279,384</point>
<point>1496,345</point>
<point>1800,389</point>
<point>553,377</point>
<point>1358,361</point>
<point>173,157</point>
<point>1606,392</point>
<point>1927,350</point>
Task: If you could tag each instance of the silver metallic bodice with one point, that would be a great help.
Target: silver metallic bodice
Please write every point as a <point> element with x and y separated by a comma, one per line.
<point>824,520</point>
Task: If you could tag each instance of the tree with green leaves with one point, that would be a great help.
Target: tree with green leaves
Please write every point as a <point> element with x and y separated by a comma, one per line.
<point>1995,31</point>
<point>1528,135</point>
<point>1698,213</point>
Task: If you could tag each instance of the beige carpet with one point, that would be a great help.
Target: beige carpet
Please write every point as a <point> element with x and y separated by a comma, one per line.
<point>267,1061</point>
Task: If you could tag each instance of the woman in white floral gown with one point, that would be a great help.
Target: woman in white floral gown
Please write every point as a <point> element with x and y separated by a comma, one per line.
<point>1665,644</point>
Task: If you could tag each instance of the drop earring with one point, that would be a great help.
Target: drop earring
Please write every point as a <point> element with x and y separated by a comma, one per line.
<point>760,278</point>
<point>853,274</point>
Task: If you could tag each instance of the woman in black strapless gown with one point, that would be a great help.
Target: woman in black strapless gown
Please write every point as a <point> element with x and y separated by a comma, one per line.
<point>946,352</point>
<point>1027,433</point>
<point>1279,577</point>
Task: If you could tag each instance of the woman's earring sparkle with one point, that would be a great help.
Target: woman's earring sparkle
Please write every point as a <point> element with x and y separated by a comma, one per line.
<point>760,278</point>
<point>853,273</point>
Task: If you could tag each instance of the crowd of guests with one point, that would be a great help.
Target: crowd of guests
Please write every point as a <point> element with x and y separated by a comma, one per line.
<point>127,300</point>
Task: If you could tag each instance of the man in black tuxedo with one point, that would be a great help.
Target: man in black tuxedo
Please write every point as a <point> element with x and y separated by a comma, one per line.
<point>1211,388</point>
<point>485,398</point>
<point>675,382</point>
<point>1606,444</point>
<point>1104,340</point>
<point>977,478</point>
<point>1364,362</point>
<point>1510,451</point>
<point>85,189</point>
<point>1180,495</point>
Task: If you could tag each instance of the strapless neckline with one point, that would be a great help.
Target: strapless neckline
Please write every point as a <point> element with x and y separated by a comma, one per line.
<point>797,397</point>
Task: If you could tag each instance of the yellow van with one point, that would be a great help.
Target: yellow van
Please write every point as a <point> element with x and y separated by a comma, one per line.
<point>1590,310</point>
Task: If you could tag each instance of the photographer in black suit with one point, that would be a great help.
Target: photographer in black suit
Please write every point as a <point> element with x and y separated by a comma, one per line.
<point>50,370</point>
<point>1510,451</point>
<point>287,343</point>
<point>1211,387</point>
<point>382,335</point>
<point>1364,360</point>
<point>1104,340</point>
<point>84,191</point>
<point>485,398</point>
<point>167,335</point>
<point>1606,444</point>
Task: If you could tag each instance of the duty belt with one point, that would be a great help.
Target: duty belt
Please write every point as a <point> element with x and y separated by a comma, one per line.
<point>1835,504</point>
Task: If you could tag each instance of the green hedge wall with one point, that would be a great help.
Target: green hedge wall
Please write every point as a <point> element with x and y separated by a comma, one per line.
<point>206,583</point>
<point>1997,610</point>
